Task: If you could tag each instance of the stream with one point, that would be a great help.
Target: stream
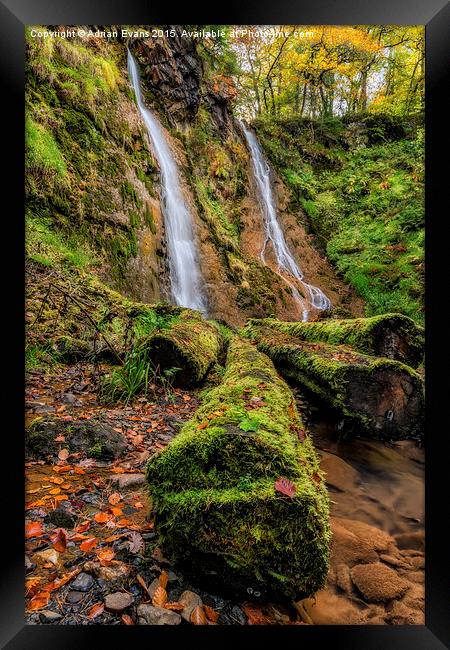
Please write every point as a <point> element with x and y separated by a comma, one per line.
<point>185,276</point>
<point>286,264</point>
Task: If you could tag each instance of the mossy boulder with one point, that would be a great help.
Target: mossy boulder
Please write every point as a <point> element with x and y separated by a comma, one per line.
<point>383,396</point>
<point>393,336</point>
<point>186,350</point>
<point>214,493</point>
<point>93,438</point>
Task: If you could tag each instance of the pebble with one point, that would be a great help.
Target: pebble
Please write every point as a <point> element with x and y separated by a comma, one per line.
<point>190,600</point>
<point>49,555</point>
<point>377,582</point>
<point>238,615</point>
<point>343,579</point>
<point>117,602</point>
<point>125,481</point>
<point>74,596</point>
<point>47,616</point>
<point>61,518</point>
<point>149,615</point>
<point>83,582</point>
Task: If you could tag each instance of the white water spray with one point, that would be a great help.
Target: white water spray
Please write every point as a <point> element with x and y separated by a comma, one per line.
<point>185,276</point>
<point>273,232</point>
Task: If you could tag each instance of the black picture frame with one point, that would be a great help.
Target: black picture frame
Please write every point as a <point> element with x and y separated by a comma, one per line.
<point>14,15</point>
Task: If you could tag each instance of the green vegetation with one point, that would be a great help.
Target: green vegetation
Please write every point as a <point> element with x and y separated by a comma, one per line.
<point>390,335</point>
<point>364,203</point>
<point>383,396</point>
<point>78,142</point>
<point>213,487</point>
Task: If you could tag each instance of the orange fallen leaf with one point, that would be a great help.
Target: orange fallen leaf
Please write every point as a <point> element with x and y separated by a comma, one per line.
<point>38,601</point>
<point>114,538</point>
<point>203,425</point>
<point>116,511</point>
<point>83,527</point>
<point>60,497</point>
<point>143,584</point>
<point>114,498</point>
<point>78,537</point>
<point>118,470</point>
<point>59,539</point>
<point>31,585</point>
<point>163,579</point>
<point>138,505</point>
<point>105,556</point>
<point>56,490</point>
<point>51,586</point>
<point>159,597</point>
<point>102,517</point>
<point>62,468</point>
<point>175,607</point>
<point>126,619</point>
<point>35,504</point>
<point>211,613</point>
<point>95,610</point>
<point>198,616</point>
<point>79,470</point>
<point>89,544</point>
<point>33,529</point>
<point>56,479</point>
<point>63,454</point>
<point>124,522</point>
<point>66,486</point>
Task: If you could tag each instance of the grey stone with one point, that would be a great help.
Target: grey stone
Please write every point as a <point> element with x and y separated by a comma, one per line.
<point>91,437</point>
<point>117,602</point>
<point>83,582</point>
<point>190,600</point>
<point>127,481</point>
<point>149,615</point>
<point>47,616</point>
<point>74,596</point>
<point>61,518</point>
<point>238,615</point>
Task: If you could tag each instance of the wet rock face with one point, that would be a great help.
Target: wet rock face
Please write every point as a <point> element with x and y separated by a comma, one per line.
<point>92,438</point>
<point>171,69</point>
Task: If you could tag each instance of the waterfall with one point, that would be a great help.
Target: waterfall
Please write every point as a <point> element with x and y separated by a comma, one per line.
<point>273,233</point>
<point>185,276</point>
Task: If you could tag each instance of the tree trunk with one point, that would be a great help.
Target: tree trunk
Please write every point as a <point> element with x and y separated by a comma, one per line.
<point>383,397</point>
<point>392,336</point>
<point>214,488</point>
<point>186,350</point>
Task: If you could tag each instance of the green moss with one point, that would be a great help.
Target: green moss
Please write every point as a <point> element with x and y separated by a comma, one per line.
<point>363,199</point>
<point>202,503</point>
<point>393,336</point>
<point>191,345</point>
<point>383,396</point>
<point>43,153</point>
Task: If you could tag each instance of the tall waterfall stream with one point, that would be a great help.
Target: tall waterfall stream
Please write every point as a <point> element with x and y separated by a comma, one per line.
<point>185,276</point>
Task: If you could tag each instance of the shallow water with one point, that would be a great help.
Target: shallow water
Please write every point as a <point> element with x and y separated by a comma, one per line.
<point>372,481</point>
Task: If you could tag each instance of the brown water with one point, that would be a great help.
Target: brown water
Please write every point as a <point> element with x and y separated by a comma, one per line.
<point>371,481</point>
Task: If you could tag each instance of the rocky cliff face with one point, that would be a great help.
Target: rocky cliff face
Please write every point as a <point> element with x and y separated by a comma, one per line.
<point>103,190</point>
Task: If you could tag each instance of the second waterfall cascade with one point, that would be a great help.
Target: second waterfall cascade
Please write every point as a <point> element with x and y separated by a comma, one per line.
<point>315,298</point>
<point>185,276</point>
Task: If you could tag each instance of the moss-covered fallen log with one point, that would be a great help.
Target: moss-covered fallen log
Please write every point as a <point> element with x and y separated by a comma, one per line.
<point>382,395</point>
<point>187,349</point>
<point>214,487</point>
<point>392,336</point>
